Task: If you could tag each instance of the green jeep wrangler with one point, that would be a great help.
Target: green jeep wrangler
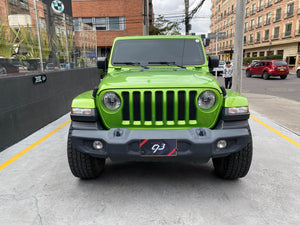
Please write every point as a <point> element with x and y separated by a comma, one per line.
<point>158,102</point>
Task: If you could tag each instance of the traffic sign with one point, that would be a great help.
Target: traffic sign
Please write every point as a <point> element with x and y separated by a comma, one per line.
<point>221,35</point>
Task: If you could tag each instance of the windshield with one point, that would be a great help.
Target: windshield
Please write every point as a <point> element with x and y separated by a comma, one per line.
<point>158,52</point>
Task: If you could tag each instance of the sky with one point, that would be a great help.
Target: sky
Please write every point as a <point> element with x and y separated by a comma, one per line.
<point>174,10</point>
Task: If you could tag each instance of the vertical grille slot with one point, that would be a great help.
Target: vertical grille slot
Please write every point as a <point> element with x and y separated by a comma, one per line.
<point>159,105</point>
<point>136,106</point>
<point>170,106</point>
<point>148,104</point>
<point>125,112</point>
<point>192,105</point>
<point>181,105</point>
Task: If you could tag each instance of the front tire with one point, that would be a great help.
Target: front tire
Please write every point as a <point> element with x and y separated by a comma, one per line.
<point>235,165</point>
<point>83,165</point>
<point>265,75</point>
<point>248,73</point>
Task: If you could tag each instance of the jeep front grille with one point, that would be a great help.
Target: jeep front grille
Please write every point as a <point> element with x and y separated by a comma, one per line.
<point>157,107</point>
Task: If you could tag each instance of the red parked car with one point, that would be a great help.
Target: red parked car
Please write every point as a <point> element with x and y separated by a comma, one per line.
<point>267,68</point>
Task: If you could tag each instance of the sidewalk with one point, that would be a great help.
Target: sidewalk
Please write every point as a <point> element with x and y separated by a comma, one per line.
<point>281,110</point>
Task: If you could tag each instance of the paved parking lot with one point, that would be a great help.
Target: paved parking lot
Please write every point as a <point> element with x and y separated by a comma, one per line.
<point>37,187</point>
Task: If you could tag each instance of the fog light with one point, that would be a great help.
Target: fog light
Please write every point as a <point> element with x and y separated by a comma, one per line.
<point>222,144</point>
<point>97,145</point>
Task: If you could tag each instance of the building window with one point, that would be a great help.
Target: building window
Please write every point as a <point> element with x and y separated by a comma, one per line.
<point>252,25</point>
<point>266,37</point>
<point>253,9</point>
<point>276,33</point>
<point>261,5</point>
<point>245,39</point>
<point>251,39</point>
<point>254,54</point>
<point>280,52</point>
<point>261,53</point>
<point>258,37</point>
<point>259,21</point>
<point>289,10</point>
<point>88,21</point>
<point>268,18</point>
<point>247,12</point>
<point>268,3</point>
<point>298,30</point>
<point>288,30</point>
<point>246,26</point>
<point>100,23</point>
<point>278,15</point>
<point>105,23</point>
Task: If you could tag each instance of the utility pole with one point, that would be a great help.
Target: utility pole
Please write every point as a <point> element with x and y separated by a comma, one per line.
<point>216,74</point>
<point>238,45</point>
<point>38,36</point>
<point>66,39</point>
<point>187,19</point>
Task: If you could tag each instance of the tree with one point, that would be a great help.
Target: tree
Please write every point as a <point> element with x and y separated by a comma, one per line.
<point>162,26</point>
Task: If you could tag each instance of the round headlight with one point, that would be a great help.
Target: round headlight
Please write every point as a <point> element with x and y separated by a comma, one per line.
<point>206,99</point>
<point>111,101</point>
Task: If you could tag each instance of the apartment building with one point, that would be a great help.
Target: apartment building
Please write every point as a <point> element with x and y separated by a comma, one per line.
<point>272,27</point>
<point>113,18</point>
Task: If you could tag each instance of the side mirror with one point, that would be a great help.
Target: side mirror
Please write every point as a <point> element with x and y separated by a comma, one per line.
<point>213,61</point>
<point>102,65</point>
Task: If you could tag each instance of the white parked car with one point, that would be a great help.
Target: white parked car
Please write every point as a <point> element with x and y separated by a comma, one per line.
<point>220,68</point>
<point>298,72</point>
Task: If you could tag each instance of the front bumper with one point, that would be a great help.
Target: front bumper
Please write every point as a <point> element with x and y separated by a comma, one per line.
<point>195,144</point>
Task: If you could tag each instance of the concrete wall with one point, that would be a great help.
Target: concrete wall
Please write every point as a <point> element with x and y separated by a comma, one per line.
<point>26,107</point>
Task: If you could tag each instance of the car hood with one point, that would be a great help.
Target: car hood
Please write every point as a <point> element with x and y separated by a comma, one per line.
<point>159,78</point>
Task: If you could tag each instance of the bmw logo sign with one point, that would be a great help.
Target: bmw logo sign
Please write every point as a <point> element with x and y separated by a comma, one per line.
<point>57,6</point>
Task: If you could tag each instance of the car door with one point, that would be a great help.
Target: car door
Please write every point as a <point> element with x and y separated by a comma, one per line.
<point>255,68</point>
<point>260,68</point>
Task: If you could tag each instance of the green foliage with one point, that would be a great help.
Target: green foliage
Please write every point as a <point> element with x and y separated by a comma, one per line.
<point>162,26</point>
<point>8,40</point>
<point>248,60</point>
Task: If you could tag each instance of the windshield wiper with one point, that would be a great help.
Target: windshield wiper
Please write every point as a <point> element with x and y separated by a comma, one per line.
<point>168,64</point>
<point>132,63</point>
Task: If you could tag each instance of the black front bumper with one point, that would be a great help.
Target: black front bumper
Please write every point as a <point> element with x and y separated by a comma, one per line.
<point>195,144</point>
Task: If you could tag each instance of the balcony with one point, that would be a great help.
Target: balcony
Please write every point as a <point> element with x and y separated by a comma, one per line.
<point>251,28</point>
<point>258,25</point>
<point>267,22</point>
<point>277,18</point>
<point>252,12</point>
<point>288,15</point>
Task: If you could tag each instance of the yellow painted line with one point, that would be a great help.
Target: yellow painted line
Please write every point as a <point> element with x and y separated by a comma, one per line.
<point>276,131</point>
<point>11,160</point>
